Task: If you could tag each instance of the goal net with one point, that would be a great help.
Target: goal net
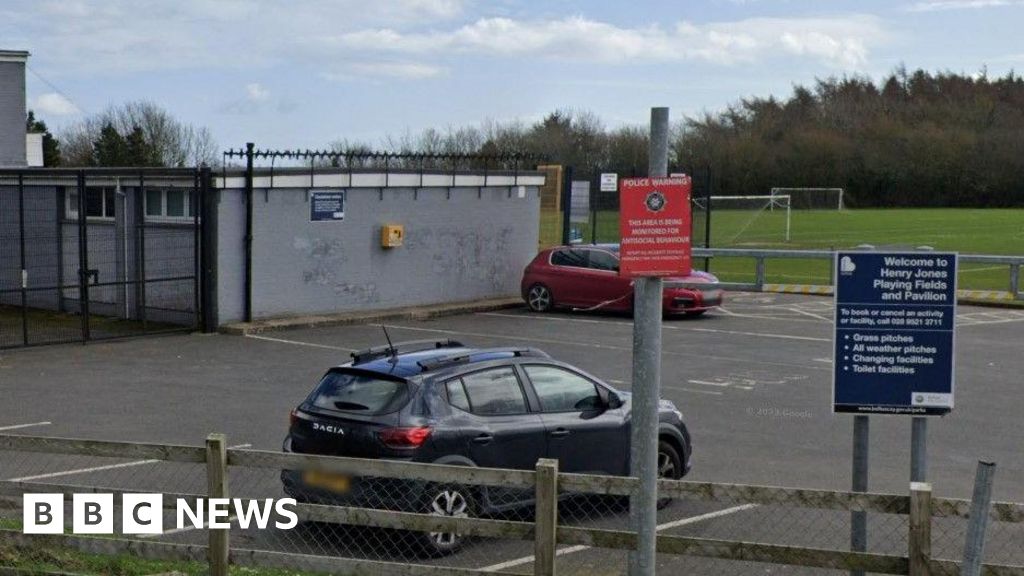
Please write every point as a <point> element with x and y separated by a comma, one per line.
<point>747,220</point>
<point>812,198</point>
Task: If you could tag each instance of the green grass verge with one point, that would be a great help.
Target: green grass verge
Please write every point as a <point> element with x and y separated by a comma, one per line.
<point>50,558</point>
<point>42,559</point>
<point>969,231</point>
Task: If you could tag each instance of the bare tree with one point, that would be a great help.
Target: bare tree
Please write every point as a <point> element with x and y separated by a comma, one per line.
<point>173,142</point>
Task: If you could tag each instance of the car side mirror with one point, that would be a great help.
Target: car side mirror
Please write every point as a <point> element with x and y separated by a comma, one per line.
<point>613,401</point>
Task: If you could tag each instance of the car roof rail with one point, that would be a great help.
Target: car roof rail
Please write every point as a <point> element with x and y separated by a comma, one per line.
<point>464,357</point>
<point>375,352</point>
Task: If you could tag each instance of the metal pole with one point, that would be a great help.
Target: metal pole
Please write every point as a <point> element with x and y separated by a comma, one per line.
<point>707,217</point>
<point>1015,280</point>
<point>208,257</point>
<point>194,203</point>
<point>248,230</point>
<point>83,258</point>
<point>140,212</point>
<point>566,205</point>
<point>981,500</point>
<point>24,270</point>
<point>858,519</point>
<point>647,294</point>
<point>919,449</point>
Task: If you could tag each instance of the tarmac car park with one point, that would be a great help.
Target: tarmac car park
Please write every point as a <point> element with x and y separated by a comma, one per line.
<point>752,378</point>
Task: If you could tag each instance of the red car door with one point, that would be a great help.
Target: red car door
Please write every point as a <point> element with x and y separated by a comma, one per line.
<point>566,266</point>
<point>599,283</point>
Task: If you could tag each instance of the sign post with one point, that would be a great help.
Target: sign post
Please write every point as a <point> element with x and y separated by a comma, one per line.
<point>895,318</point>
<point>654,226</point>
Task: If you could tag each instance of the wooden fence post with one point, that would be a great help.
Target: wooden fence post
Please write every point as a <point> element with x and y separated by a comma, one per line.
<point>546,517</point>
<point>920,551</point>
<point>217,487</point>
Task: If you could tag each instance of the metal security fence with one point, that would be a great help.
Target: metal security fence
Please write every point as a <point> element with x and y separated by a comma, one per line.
<point>98,253</point>
<point>767,270</point>
<point>391,517</point>
<point>587,214</point>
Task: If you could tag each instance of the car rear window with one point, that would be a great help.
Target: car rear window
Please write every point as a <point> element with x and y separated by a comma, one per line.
<point>494,392</point>
<point>569,257</point>
<point>360,393</point>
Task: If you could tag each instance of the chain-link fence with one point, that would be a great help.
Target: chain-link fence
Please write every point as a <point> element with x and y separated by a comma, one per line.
<point>388,516</point>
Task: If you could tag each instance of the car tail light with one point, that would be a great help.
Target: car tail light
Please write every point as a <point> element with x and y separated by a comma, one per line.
<point>293,417</point>
<point>405,437</point>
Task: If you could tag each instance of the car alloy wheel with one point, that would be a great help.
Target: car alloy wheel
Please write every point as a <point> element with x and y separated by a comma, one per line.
<point>451,502</point>
<point>539,298</point>
<point>670,467</point>
<point>666,466</point>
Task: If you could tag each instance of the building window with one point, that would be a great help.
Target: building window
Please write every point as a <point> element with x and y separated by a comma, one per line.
<point>168,204</point>
<point>100,203</point>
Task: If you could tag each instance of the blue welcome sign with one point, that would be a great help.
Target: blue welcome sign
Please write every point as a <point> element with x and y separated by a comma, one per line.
<point>895,322</point>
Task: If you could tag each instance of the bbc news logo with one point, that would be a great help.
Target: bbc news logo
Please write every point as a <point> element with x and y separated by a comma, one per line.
<point>144,513</point>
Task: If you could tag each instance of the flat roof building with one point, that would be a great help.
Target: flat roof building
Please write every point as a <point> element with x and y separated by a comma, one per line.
<point>12,108</point>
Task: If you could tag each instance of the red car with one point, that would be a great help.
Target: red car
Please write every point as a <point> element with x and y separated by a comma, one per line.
<point>587,278</point>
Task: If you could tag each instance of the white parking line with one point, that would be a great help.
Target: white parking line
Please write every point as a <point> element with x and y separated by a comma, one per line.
<point>661,527</point>
<point>20,426</point>
<point>708,383</point>
<point>811,314</point>
<point>552,318</point>
<point>597,346</point>
<point>685,389</point>
<point>665,326</point>
<point>299,343</point>
<point>98,468</point>
<point>754,334</point>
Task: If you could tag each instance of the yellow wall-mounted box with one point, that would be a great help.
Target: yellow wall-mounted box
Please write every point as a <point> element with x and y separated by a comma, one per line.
<point>391,235</point>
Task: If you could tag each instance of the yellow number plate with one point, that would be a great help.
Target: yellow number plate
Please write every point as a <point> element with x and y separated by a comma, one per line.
<point>332,482</point>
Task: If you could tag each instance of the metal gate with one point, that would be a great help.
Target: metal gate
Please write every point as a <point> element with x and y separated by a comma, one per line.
<point>99,253</point>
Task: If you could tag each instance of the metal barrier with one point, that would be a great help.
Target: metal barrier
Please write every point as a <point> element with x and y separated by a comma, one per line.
<point>805,527</point>
<point>760,257</point>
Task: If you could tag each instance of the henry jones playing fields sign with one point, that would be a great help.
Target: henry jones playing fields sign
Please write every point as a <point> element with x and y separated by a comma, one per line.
<point>654,222</point>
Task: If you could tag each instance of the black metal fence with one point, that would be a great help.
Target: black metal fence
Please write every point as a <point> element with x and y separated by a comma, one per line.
<point>98,253</point>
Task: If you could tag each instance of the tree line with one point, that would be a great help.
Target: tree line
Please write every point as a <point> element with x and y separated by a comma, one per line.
<point>910,139</point>
<point>137,133</point>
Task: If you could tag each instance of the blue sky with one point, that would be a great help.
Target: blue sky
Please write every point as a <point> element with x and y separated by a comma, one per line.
<point>306,72</point>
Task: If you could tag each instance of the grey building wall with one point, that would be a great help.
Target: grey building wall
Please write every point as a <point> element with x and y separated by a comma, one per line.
<point>461,244</point>
<point>12,110</point>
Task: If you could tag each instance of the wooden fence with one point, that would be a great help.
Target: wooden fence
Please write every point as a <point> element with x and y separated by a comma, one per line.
<point>546,533</point>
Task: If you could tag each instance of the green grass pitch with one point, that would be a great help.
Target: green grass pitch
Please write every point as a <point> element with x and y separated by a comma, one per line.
<point>968,231</point>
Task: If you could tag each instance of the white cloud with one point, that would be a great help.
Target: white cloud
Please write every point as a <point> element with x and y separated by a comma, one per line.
<point>255,92</point>
<point>53,104</point>
<point>841,42</point>
<point>939,5</point>
<point>399,70</point>
<point>125,36</point>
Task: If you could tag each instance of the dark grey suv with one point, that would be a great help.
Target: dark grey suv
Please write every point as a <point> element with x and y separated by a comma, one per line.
<point>444,403</point>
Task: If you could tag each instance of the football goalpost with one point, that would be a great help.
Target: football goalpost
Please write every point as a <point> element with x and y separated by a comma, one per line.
<point>755,205</point>
<point>812,198</point>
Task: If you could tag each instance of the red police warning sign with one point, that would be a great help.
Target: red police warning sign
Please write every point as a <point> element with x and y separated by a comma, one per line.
<point>654,222</point>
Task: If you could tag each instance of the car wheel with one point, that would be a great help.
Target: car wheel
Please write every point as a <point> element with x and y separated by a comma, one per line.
<point>450,501</point>
<point>670,467</point>
<point>539,298</point>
